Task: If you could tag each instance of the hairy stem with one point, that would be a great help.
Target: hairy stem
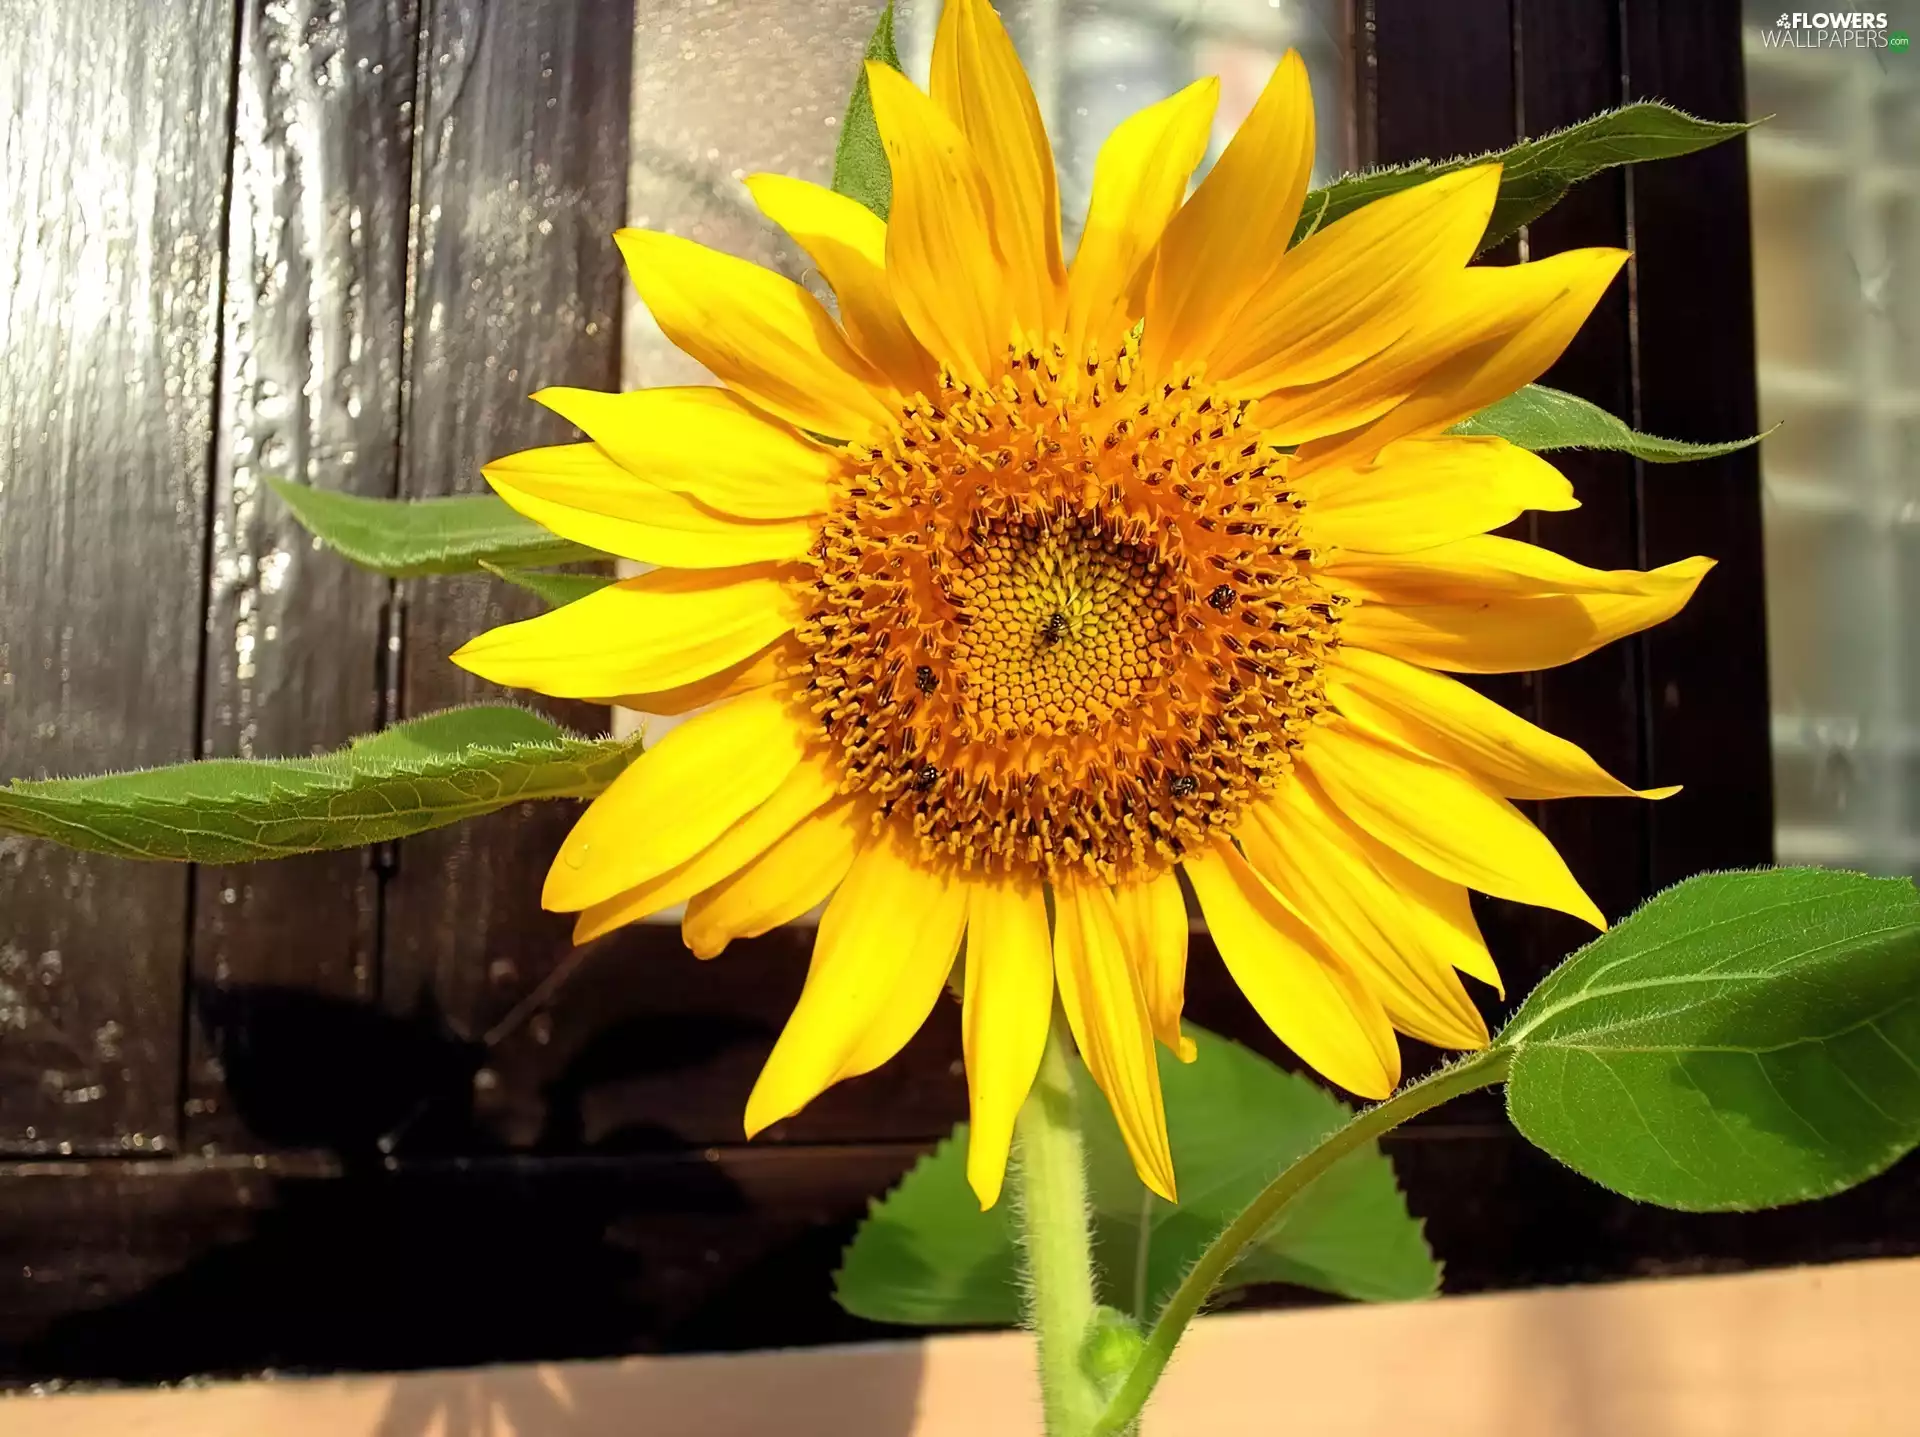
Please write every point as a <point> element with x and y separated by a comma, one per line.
<point>1480,1071</point>
<point>1050,1181</point>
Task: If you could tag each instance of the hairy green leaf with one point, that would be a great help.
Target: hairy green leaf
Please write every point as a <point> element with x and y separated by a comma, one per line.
<point>1541,419</point>
<point>1743,1040</point>
<point>1535,174</point>
<point>405,538</point>
<point>860,168</point>
<point>928,1255</point>
<point>1235,1121</point>
<point>425,773</point>
<point>555,590</point>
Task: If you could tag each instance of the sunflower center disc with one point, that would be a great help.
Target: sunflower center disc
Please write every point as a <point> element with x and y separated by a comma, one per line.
<point>1065,625</point>
<point>1061,625</point>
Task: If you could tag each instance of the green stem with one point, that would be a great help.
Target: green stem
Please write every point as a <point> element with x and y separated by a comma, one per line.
<point>1480,1071</point>
<point>1050,1181</point>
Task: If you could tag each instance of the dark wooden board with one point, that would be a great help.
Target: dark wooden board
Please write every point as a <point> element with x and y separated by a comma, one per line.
<point>1706,676</point>
<point>305,1263</point>
<point>1446,83</point>
<point>113,146</point>
<point>520,181</point>
<point>309,391</point>
<point>1443,78</point>
<point>1569,69</point>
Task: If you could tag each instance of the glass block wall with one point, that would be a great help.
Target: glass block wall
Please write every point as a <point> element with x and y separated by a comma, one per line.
<point>1836,234</point>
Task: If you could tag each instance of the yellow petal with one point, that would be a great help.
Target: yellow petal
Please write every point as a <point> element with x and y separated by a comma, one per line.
<point>1443,820</point>
<point>1225,242</point>
<point>761,334</point>
<point>1106,1006</point>
<point>1417,493</point>
<point>810,786</point>
<point>1510,635</point>
<point>1153,929</point>
<point>1448,721</point>
<point>978,81</point>
<point>1474,378</point>
<point>791,878</point>
<point>849,243</point>
<point>941,257</point>
<point>663,629</point>
<point>768,666</point>
<point>1482,567</point>
<point>1138,182</point>
<point>676,798</point>
<point>607,508</point>
<point>1309,998</point>
<point>1486,327</point>
<point>1003,1018</point>
<point>887,942</point>
<point>1442,908</point>
<point>1349,290</point>
<point>1326,878</point>
<point>708,444</point>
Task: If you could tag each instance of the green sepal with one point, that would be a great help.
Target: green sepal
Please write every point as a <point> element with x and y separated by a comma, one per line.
<point>1535,174</point>
<point>555,590</point>
<point>1544,419</point>
<point>425,773</point>
<point>1113,1344</point>
<point>407,538</point>
<point>860,168</point>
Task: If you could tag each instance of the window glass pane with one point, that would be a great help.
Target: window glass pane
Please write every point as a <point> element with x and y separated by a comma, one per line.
<point>1836,234</point>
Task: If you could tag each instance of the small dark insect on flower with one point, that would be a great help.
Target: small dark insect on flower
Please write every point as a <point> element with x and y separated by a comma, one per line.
<point>1055,628</point>
<point>926,776</point>
<point>1184,785</point>
<point>924,680</point>
<point>1222,597</point>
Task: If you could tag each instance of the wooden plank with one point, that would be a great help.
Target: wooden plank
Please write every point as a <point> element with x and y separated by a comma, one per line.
<point>645,1046</point>
<point>1444,84</point>
<point>637,1038</point>
<point>113,151</point>
<point>521,179</point>
<point>1443,76</point>
<point>1706,678</point>
<point>310,390</point>
<point>1570,69</point>
<point>1502,1214</point>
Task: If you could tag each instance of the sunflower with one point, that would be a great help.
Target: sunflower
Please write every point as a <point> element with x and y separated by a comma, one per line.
<point>1026,586</point>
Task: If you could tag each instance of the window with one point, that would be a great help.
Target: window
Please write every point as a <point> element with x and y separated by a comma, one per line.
<point>1836,245</point>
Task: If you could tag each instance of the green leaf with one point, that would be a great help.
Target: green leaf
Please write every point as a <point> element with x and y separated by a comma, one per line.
<point>927,1254</point>
<point>1540,419</point>
<point>1743,1040</point>
<point>404,538</point>
<point>1235,1120</point>
<point>1535,174</point>
<point>425,773</point>
<point>860,169</point>
<point>555,590</point>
